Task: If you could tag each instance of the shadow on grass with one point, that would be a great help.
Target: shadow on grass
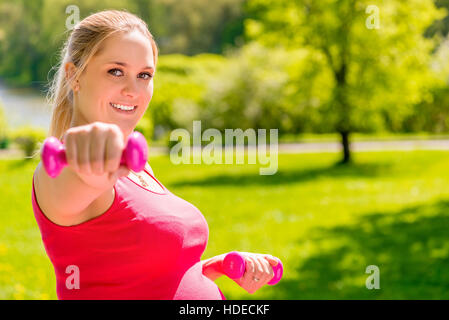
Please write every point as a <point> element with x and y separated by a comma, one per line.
<point>285,176</point>
<point>410,247</point>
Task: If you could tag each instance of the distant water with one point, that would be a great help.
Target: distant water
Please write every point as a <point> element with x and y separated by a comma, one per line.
<point>24,107</point>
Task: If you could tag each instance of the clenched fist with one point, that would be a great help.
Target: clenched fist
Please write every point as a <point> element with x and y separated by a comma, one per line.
<point>94,152</point>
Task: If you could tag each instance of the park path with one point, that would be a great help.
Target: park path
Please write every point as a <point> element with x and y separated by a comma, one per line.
<point>358,146</point>
<point>312,147</point>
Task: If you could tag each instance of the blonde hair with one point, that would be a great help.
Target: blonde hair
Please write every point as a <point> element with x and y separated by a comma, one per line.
<point>85,42</point>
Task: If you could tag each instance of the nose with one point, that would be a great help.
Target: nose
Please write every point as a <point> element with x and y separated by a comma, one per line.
<point>131,88</point>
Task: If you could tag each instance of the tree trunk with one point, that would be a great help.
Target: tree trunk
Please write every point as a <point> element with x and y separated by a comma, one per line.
<point>345,144</point>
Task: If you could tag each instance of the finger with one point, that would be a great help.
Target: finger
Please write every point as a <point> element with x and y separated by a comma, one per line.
<point>249,270</point>
<point>272,260</point>
<point>71,155</point>
<point>123,171</point>
<point>83,146</point>
<point>259,270</point>
<point>260,274</point>
<point>113,152</point>
<point>265,265</point>
<point>250,265</point>
<point>247,281</point>
<point>257,273</point>
<point>267,271</point>
<point>97,154</point>
<point>270,268</point>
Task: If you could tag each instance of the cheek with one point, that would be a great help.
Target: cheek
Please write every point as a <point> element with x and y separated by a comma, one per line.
<point>150,91</point>
<point>105,89</point>
<point>148,94</point>
<point>105,92</point>
<point>95,93</point>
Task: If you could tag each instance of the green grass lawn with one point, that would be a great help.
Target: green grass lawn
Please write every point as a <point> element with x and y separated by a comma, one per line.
<point>327,223</point>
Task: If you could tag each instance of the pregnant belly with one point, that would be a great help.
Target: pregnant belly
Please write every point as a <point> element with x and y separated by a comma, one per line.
<point>196,286</point>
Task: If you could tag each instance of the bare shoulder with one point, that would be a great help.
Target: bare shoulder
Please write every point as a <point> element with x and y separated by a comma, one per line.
<point>42,192</point>
<point>46,191</point>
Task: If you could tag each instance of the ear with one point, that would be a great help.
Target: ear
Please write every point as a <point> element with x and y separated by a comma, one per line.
<point>70,71</point>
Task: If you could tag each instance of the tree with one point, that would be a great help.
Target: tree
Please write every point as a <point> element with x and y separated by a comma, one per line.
<point>32,32</point>
<point>441,26</point>
<point>375,51</point>
<point>195,26</point>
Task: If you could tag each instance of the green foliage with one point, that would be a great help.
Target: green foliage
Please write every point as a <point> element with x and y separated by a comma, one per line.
<point>269,88</point>
<point>432,113</point>
<point>311,66</point>
<point>194,26</point>
<point>28,138</point>
<point>32,32</point>
<point>378,59</point>
<point>145,126</point>
<point>440,27</point>
<point>254,87</point>
<point>377,74</point>
<point>4,139</point>
<point>180,82</point>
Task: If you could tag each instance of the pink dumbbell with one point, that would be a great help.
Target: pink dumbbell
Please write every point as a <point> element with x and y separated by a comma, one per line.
<point>234,267</point>
<point>134,156</point>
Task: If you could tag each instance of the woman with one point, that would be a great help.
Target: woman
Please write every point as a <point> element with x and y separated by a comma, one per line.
<point>112,233</point>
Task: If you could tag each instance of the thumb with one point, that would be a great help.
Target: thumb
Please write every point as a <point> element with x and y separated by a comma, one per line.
<point>121,172</point>
<point>272,260</point>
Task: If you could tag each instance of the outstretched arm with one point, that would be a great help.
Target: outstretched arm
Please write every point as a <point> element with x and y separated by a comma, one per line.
<point>212,267</point>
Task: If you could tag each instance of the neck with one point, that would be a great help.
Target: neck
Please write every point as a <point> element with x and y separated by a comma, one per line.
<point>77,119</point>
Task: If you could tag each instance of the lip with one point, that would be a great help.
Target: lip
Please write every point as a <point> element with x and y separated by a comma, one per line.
<point>123,111</point>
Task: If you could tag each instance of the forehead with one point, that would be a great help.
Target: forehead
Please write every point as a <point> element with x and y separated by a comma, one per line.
<point>132,48</point>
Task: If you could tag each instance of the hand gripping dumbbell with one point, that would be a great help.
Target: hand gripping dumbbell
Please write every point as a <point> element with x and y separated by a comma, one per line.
<point>234,267</point>
<point>134,156</point>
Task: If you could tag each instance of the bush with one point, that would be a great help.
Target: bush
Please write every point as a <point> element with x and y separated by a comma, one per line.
<point>145,127</point>
<point>4,140</point>
<point>180,82</point>
<point>28,139</point>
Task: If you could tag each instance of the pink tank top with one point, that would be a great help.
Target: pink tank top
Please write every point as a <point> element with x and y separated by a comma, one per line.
<point>147,245</point>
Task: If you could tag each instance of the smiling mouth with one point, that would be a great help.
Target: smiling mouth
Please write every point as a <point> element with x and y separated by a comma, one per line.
<point>123,108</point>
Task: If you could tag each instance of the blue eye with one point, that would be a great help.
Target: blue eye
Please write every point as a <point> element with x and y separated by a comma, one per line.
<point>147,74</point>
<point>112,71</point>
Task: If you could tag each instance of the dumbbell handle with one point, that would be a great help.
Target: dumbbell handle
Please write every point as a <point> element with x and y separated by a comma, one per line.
<point>234,266</point>
<point>134,156</point>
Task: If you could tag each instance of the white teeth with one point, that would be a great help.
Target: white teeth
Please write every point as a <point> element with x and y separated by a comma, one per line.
<point>122,107</point>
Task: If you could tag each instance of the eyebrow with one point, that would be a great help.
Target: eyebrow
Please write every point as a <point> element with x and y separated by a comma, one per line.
<point>125,65</point>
